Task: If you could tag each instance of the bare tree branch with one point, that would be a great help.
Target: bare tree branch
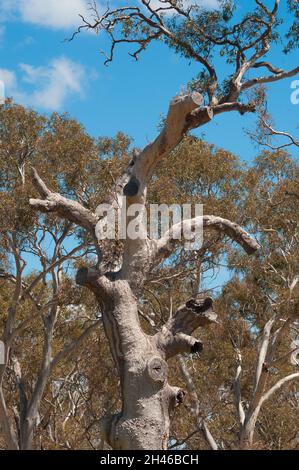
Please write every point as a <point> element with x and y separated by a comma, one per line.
<point>270,79</point>
<point>63,207</point>
<point>278,385</point>
<point>174,338</point>
<point>272,132</point>
<point>263,351</point>
<point>75,344</point>
<point>163,247</point>
<point>237,388</point>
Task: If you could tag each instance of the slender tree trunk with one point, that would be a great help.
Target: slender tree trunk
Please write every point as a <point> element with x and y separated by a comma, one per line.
<point>6,425</point>
<point>247,431</point>
<point>26,435</point>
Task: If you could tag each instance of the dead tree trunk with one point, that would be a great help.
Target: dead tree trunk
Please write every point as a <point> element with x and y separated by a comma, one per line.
<point>147,397</point>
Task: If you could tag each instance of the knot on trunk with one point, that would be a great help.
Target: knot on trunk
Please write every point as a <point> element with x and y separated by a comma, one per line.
<point>197,311</point>
<point>87,276</point>
<point>200,304</point>
<point>157,369</point>
<point>197,347</point>
<point>132,187</point>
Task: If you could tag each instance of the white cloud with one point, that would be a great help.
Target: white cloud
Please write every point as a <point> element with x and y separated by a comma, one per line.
<point>7,8</point>
<point>205,3</point>
<point>45,87</point>
<point>53,13</point>
<point>64,14</point>
<point>58,14</point>
<point>9,79</point>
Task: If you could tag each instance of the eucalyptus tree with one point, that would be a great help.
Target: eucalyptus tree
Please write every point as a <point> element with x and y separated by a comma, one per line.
<point>199,35</point>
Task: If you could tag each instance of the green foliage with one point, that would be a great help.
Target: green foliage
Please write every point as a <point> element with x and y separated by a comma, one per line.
<point>293,33</point>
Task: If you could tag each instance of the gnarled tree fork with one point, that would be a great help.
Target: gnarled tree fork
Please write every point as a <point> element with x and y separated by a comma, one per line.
<point>141,359</point>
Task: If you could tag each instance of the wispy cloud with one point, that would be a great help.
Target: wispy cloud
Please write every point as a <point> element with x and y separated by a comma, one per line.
<point>48,87</point>
<point>205,3</point>
<point>64,14</point>
<point>58,14</point>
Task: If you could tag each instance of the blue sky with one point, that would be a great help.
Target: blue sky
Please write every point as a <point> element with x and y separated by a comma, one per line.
<point>43,71</point>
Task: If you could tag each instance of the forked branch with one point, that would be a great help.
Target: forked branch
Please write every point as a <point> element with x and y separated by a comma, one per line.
<point>175,336</point>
